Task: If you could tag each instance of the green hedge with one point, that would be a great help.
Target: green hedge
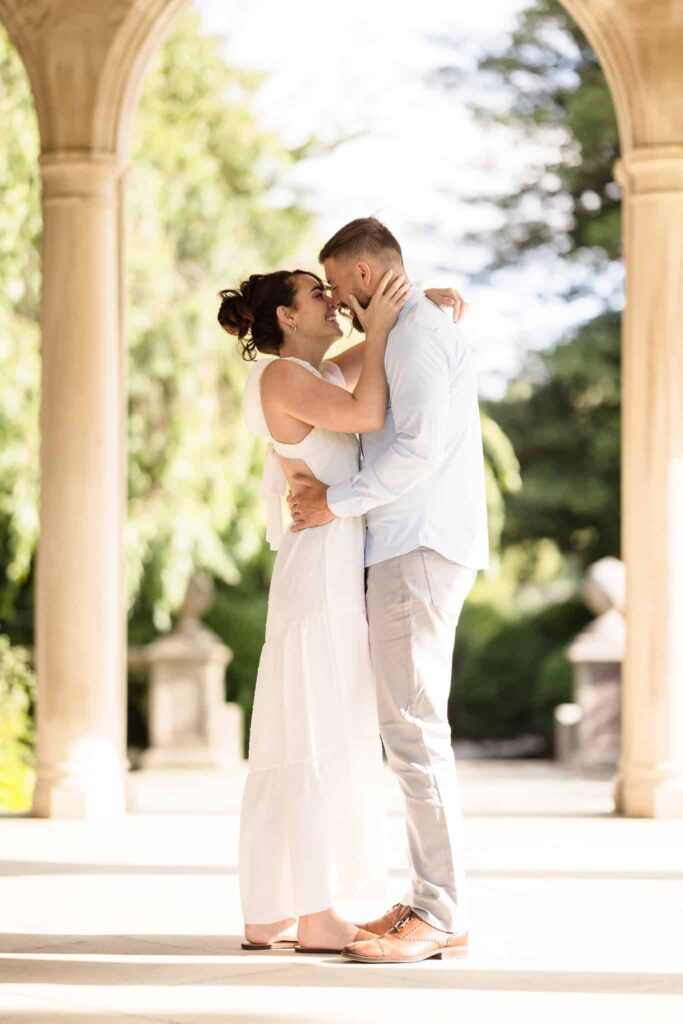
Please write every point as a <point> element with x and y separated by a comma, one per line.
<point>238,616</point>
<point>511,672</point>
<point>239,619</point>
<point>17,700</point>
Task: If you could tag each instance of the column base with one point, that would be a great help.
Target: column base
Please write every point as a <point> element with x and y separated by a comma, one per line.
<point>198,758</point>
<point>649,793</point>
<point>88,786</point>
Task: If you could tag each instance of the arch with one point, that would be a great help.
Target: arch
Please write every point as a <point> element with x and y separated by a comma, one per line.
<point>21,42</point>
<point>639,51</point>
<point>140,36</point>
<point>85,64</point>
<point>614,61</point>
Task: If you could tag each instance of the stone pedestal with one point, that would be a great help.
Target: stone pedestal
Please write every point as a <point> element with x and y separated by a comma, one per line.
<point>191,725</point>
<point>597,655</point>
<point>567,719</point>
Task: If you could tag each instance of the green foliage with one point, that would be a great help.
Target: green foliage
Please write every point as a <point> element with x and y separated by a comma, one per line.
<point>511,670</point>
<point>200,219</point>
<point>569,204</point>
<point>501,468</point>
<point>17,695</point>
<point>19,187</point>
<point>19,337</point>
<point>562,416</point>
<point>239,616</point>
<point>562,413</point>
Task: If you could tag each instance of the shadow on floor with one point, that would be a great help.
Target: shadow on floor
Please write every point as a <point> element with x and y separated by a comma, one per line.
<point>9,869</point>
<point>324,973</point>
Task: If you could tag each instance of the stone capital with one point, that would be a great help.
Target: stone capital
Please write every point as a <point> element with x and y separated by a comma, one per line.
<point>651,171</point>
<point>86,62</point>
<point>80,176</point>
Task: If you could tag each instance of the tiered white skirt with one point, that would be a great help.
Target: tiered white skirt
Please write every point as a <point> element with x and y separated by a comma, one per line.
<point>312,818</point>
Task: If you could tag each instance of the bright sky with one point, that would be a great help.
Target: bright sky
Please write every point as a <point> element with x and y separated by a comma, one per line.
<point>414,155</point>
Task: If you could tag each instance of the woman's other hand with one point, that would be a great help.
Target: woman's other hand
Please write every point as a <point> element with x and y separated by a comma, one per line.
<point>445,298</point>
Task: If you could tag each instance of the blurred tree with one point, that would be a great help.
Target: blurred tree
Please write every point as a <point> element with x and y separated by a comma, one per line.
<point>201,214</point>
<point>562,415</point>
<point>545,84</point>
<point>17,698</point>
<point>512,671</point>
<point>20,225</point>
<point>502,477</point>
<point>200,217</point>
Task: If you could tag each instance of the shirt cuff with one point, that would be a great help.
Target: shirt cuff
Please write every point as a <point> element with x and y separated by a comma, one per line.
<point>339,497</point>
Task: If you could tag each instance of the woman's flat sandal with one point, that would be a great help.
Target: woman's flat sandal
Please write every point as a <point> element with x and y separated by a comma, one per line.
<point>278,944</point>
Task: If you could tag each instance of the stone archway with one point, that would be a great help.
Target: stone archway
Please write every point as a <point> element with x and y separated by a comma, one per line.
<point>85,62</point>
<point>639,46</point>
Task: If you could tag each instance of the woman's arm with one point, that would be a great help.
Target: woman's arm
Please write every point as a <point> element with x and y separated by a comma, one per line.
<point>350,362</point>
<point>447,297</point>
<point>291,395</point>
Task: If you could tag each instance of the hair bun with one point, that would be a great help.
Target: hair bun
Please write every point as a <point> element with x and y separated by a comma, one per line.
<point>250,311</point>
<point>235,314</point>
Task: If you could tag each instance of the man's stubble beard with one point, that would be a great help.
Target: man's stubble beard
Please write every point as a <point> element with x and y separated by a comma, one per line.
<point>363,303</point>
<point>348,312</point>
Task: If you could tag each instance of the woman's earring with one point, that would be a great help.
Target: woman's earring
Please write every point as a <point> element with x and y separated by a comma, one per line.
<point>294,326</point>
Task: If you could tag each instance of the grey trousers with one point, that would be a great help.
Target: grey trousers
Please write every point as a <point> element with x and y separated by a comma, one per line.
<point>414,602</point>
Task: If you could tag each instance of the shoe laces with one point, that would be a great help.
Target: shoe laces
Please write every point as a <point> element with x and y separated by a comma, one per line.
<point>404,916</point>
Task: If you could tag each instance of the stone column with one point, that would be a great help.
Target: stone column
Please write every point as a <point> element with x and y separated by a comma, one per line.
<point>650,778</point>
<point>81,760</point>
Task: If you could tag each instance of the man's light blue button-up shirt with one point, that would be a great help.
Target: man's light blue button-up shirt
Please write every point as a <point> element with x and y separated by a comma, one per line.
<point>421,483</point>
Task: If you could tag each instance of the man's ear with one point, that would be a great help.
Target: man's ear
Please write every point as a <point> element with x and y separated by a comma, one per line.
<point>365,272</point>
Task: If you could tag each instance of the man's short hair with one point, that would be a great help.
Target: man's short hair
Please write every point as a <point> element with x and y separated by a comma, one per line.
<point>365,235</point>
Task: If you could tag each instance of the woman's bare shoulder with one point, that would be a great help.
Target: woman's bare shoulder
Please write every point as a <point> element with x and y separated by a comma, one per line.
<point>281,370</point>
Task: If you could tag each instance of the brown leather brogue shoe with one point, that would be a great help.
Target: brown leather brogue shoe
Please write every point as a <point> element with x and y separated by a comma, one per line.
<point>382,924</point>
<point>410,940</point>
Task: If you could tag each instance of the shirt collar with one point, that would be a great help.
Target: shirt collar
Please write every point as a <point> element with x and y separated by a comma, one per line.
<point>413,298</point>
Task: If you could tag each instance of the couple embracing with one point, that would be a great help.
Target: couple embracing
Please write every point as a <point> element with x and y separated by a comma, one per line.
<point>380,451</point>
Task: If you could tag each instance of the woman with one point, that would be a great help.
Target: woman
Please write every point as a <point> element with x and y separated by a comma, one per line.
<point>312,811</point>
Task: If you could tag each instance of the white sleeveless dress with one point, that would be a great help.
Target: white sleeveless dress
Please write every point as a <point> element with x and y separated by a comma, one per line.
<point>312,817</point>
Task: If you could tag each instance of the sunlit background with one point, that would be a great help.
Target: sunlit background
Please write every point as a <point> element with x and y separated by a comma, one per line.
<point>484,135</point>
<point>405,145</point>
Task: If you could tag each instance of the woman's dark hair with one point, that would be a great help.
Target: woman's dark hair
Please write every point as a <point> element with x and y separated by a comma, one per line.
<point>249,312</point>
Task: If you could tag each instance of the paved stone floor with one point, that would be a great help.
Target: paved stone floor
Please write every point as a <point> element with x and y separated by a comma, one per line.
<point>578,915</point>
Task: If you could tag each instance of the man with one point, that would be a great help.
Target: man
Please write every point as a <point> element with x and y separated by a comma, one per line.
<point>421,488</point>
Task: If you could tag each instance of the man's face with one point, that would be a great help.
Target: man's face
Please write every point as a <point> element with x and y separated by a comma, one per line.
<point>348,276</point>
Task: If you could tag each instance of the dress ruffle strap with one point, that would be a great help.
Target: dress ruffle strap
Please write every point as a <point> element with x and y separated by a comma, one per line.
<point>274,482</point>
<point>273,490</point>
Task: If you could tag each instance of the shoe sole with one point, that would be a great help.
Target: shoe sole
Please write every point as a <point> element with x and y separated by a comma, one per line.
<point>281,944</point>
<point>315,949</point>
<point>439,954</point>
